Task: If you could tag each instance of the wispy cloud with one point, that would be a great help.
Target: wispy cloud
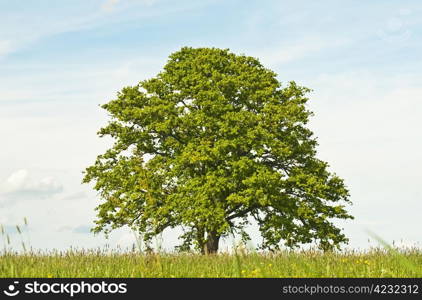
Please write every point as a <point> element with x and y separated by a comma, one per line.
<point>396,29</point>
<point>111,5</point>
<point>287,52</point>
<point>40,24</point>
<point>75,196</point>
<point>82,229</point>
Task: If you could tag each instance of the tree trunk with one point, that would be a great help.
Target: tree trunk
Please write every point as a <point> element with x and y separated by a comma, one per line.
<point>211,245</point>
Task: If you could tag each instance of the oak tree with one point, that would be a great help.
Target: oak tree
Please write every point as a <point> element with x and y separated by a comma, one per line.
<point>211,144</point>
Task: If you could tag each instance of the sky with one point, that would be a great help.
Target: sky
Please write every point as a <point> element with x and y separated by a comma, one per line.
<point>60,59</point>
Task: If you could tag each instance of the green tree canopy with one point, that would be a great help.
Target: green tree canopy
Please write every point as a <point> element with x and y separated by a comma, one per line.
<point>209,144</point>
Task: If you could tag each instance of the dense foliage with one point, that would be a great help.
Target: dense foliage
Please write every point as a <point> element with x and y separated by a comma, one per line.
<point>209,144</point>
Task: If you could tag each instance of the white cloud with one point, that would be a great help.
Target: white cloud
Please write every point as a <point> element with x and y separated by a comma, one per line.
<point>72,82</point>
<point>19,183</point>
<point>288,52</point>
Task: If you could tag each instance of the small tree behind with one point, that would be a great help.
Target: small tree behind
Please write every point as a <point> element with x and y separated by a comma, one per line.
<point>209,144</point>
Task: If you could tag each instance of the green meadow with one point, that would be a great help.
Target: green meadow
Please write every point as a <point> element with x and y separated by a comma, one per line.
<point>310,263</point>
<point>385,261</point>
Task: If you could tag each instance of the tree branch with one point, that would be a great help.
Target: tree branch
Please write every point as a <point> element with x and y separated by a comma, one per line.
<point>241,213</point>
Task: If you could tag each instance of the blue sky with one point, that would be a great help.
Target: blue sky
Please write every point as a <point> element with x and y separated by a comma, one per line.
<point>60,59</point>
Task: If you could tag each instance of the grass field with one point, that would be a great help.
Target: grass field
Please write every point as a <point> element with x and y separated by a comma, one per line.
<point>386,261</point>
<point>372,263</point>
